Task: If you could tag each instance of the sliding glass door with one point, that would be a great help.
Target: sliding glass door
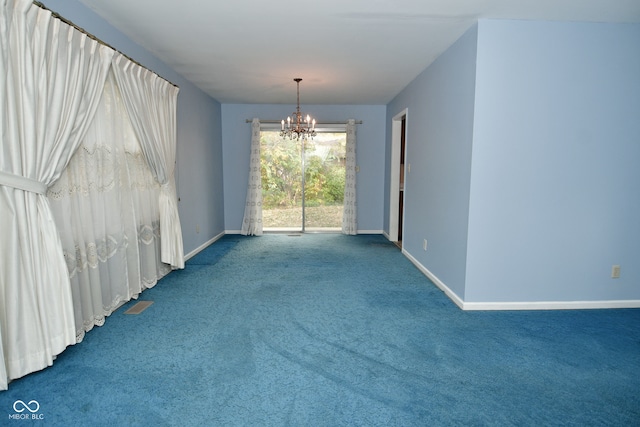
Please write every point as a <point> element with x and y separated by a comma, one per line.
<point>303,183</point>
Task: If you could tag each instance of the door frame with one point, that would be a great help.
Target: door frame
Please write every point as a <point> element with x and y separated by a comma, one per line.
<point>394,170</point>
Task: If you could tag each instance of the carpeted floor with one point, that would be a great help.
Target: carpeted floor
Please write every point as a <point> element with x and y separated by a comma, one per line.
<point>333,330</point>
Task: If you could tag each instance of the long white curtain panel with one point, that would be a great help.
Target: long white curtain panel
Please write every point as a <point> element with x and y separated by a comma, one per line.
<point>349,213</point>
<point>151,103</point>
<point>88,203</point>
<point>252,221</point>
<point>51,79</point>
<point>106,207</point>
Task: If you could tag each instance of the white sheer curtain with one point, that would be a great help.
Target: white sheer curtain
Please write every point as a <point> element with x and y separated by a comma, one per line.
<point>151,103</point>
<point>106,207</point>
<point>51,77</point>
<point>349,214</point>
<point>252,221</point>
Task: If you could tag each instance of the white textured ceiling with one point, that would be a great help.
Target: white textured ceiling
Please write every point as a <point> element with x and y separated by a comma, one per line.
<point>346,51</point>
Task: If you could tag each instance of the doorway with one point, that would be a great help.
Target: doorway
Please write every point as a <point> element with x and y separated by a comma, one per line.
<point>302,182</point>
<point>397,178</point>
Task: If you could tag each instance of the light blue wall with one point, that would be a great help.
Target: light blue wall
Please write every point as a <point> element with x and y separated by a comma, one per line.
<point>236,135</point>
<point>556,163</point>
<point>524,144</point>
<point>199,137</point>
<point>438,148</point>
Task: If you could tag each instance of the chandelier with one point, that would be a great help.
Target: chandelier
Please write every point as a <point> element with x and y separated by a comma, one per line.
<point>298,128</point>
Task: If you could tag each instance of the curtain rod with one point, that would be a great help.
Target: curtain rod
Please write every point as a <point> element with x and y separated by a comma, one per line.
<point>91,36</point>
<point>358,122</point>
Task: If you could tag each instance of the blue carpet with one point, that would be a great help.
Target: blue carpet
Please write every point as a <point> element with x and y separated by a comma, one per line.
<point>333,330</point>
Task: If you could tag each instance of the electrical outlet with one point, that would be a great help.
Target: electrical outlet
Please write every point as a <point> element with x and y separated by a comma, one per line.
<point>197,228</point>
<point>615,272</point>
<point>424,244</point>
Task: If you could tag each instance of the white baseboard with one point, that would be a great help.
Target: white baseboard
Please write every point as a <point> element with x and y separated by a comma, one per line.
<point>444,288</point>
<point>359,232</point>
<point>520,305</point>
<point>551,305</point>
<point>202,246</point>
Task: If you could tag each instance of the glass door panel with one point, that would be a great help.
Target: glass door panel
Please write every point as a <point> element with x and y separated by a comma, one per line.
<point>281,170</point>
<point>293,202</point>
<point>325,159</point>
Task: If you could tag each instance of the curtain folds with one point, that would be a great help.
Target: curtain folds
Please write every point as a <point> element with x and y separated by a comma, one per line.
<point>106,207</point>
<point>51,79</point>
<point>349,214</point>
<point>151,103</point>
<point>252,221</point>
